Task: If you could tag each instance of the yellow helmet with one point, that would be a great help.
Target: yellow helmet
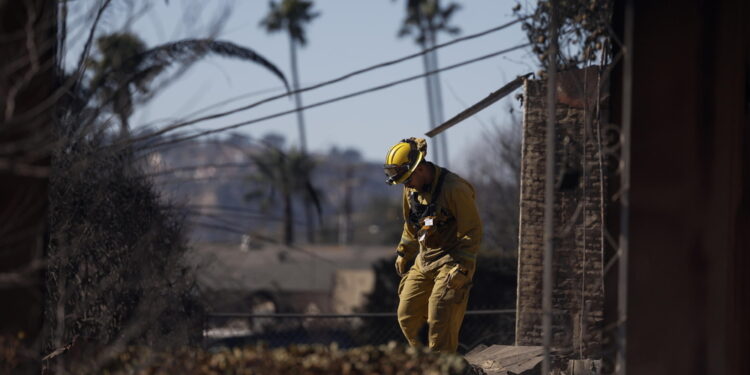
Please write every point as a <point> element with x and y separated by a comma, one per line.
<point>403,158</point>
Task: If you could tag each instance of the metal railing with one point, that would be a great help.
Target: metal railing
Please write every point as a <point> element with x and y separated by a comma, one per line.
<point>346,330</point>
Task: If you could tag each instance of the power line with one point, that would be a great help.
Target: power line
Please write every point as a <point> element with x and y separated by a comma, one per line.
<point>218,207</point>
<point>338,316</point>
<point>259,237</point>
<point>235,212</point>
<point>195,167</point>
<point>336,99</point>
<point>238,98</point>
<point>213,179</point>
<point>327,83</point>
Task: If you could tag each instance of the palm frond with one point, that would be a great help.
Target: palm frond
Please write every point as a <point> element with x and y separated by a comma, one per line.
<point>188,50</point>
<point>424,17</point>
<point>124,63</point>
<point>290,16</point>
<point>274,20</point>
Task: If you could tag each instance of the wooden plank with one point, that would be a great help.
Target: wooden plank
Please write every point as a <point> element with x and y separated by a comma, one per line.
<point>507,359</point>
<point>482,104</point>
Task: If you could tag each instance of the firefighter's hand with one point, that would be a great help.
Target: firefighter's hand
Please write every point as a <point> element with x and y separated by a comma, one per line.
<point>401,264</point>
<point>458,276</point>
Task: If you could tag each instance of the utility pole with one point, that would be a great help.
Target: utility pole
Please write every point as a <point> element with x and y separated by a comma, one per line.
<point>549,191</point>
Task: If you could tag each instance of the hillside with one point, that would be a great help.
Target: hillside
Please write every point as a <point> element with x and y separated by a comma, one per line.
<point>210,180</point>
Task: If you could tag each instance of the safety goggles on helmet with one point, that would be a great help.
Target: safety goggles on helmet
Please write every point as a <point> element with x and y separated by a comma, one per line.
<point>394,172</point>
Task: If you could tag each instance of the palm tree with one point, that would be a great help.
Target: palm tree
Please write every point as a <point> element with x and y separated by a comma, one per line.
<point>119,61</point>
<point>291,16</point>
<point>285,175</point>
<point>425,19</point>
<point>125,67</point>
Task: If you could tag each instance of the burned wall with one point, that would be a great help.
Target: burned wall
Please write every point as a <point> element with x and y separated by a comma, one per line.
<point>577,295</point>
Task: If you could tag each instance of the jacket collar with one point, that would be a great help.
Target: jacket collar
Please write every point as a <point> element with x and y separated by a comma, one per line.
<point>431,186</point>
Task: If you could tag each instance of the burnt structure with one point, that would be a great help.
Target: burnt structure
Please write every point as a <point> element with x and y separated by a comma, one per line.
<point>580,184</point>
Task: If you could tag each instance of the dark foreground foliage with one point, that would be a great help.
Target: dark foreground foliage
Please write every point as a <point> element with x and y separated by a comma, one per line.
<point>116,275</point>
<point>299,360</point>
<point>12,354</point>
<point>390,359</point>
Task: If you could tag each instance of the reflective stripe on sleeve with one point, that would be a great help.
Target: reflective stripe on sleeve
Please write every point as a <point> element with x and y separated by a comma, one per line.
<point>407,241</point>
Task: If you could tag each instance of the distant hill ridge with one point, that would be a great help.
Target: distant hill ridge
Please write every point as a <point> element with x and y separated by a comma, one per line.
<point>210,179</point>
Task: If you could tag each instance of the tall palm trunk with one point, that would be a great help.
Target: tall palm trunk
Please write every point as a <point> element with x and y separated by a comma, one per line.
<point>288,218</point>
<point>438,98</point>
<point>302,137</point>
<point>345,213</point>
<point>297,96</point>
<point>434,93</point>
<point>122,110</point>
<point>430,98</point>
<point>124,125</point>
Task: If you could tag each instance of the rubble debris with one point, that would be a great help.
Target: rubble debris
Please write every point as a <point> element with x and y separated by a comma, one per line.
<point>507,359</point>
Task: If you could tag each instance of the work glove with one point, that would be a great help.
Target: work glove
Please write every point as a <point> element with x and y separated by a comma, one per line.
<point>458,276</point>
<point>401,265</point>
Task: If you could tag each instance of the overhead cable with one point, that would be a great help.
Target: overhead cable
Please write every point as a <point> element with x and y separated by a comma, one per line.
<point>327,83</point>
<point>333,100</point>
<point>261,238</point>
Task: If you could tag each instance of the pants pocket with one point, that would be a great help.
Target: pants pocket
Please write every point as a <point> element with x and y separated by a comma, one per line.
<point>456,295</point>
<point>402,283</point>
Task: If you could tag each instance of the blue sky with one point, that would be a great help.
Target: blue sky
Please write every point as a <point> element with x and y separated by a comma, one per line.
<point>348,35</point>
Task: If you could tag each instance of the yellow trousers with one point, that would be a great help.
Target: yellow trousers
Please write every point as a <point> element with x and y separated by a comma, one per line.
<point>424,297</point>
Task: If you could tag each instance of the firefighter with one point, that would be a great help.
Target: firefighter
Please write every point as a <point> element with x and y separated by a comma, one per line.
<point>436,256</point>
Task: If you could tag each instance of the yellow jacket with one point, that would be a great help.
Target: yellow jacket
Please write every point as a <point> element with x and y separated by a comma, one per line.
<point>458,229</point>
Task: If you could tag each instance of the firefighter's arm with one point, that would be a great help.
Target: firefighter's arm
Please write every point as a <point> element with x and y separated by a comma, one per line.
<point>408,247</point>
<point>461,202</point>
